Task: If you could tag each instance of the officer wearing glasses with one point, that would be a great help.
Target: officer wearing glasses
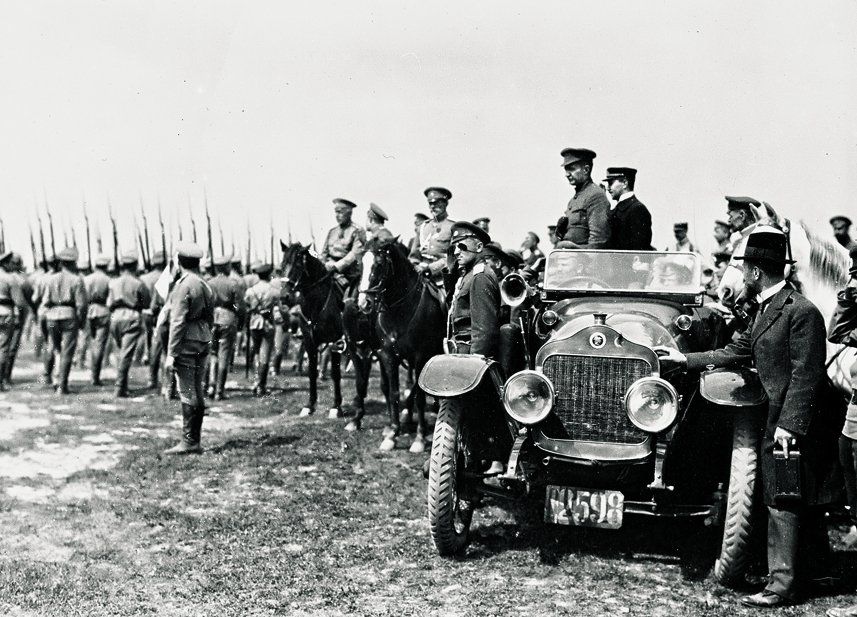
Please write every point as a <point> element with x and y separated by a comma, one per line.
<point>473,323</point>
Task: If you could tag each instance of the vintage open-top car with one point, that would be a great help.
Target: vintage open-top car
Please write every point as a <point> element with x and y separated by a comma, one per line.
<point>578,411</point>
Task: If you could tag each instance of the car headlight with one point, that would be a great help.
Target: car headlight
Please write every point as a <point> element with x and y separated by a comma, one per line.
<point>651,404</point>
<point>528,397</point>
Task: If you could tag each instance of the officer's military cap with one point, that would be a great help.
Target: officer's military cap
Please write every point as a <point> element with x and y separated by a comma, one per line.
<point>680,226</point>
<point>480,219</point>
<point>573,155</point>
<point>437,192</point>
<point>493,249</point>
<point>68,255</point>
<point>463,229</point>
<point>191,250</point>
<point>719,223</point>
<point>262,267</point>
<point>840,219</point>
<point>741,203</point>
<point>158,258</point>
<point>627,173</point>
<point>421,217</point>
<point>344,203</point>
<point>128,258</point>
<point>377,211</point>
<point>101,261</point>
<point>223,260</point>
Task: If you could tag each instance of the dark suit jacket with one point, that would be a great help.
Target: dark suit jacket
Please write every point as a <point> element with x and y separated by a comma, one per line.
<point>787,346</point>
<point>631,226</point>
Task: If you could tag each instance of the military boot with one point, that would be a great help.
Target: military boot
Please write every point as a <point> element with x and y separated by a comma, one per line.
<point>190,433</point>
<point>260,388</point>
<point>196,425</point>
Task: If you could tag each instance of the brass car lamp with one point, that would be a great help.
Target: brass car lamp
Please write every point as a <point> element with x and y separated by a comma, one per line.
<point>528,397</point>
<point>549,318</point>
<point>683,322</point>
<point>651,404</point>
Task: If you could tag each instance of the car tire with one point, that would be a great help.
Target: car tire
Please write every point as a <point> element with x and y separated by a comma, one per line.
<point>450,509</point>
<point>735,549</point>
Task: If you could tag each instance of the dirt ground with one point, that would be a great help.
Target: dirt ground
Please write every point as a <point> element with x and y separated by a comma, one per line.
<point>285,515</point>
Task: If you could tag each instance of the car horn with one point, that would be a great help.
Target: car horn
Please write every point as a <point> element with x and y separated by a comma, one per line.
<point>514,290</point>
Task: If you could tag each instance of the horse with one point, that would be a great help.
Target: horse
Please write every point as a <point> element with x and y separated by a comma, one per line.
<point>410,323</point>
<point>320,318</point>
<point>819,272</point>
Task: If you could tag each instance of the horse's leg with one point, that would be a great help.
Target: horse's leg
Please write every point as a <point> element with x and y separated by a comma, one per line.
<point>362,364</point>
<point>312,365</point>
<point>336,378</point>
<point>418,446</point>
<point>390,366</point>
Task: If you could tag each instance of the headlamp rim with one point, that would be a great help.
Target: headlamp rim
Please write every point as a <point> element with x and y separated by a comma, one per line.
<point>549,408</point>
<point>659,381</point>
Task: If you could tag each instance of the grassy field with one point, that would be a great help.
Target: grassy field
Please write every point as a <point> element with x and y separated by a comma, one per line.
<point>293,516</point>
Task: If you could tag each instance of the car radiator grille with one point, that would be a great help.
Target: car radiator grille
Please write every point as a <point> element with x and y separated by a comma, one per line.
<point>590,393</point>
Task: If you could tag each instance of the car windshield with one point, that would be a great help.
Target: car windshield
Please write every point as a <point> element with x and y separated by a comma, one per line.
<point>649,271</point>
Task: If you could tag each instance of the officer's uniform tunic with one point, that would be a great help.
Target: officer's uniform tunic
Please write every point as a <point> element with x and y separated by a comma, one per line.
<point>588,217</point>
<point>128,297</point>
<point>191,318</point>
<point>431,245</point>
<point>344,246</point>
<point>97,287</point>
<point>473,321</point>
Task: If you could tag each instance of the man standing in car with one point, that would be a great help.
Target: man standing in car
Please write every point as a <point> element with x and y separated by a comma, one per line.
<point>585,224</point>
<point>630,221</point>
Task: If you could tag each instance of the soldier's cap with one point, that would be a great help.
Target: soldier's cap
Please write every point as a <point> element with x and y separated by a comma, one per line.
<point>377,211</point>
<point>158,258</point>
<point>766,244</point>
<point>625,173</point>
<point>437,192</point>
<point>101,261</point>
<point>344,203</point>
<point>16,258</point>
<point>573,155</point>
<point>223,260</point>
<point>493,249</point>
<point>515,258</point>
<point>128,258</point>
<point>478,220</point>
<point>262,267</point>
<point>551,227</point>
<point>741,202</point>
<point>535,235</point>
<point>191,250</point>
<point>853,254</point>
<point>840,219</point>
<point>721,256</point>
<point>421,216</point>
<point>236,259</point>
<point>4,257</point>
<point>68,255</point>
<point>463,229</point>
<point>680,226</point>
<point>719,223</point>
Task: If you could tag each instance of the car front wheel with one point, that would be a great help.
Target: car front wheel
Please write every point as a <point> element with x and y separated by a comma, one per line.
<point>738,526</point>
<point>450,504</point>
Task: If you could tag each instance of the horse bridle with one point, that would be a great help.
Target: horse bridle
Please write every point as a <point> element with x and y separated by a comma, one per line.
<point>381,286</point>
<point>297,282</point>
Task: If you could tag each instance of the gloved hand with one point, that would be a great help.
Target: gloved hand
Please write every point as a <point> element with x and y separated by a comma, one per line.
<point>670,359</point>
<point>561,227</point>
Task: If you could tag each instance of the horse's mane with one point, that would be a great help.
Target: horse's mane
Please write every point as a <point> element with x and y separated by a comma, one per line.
<point>827,258</point>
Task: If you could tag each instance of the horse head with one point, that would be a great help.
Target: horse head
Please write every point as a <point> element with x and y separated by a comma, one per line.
<point>385,265</point>
<point>299,266</point>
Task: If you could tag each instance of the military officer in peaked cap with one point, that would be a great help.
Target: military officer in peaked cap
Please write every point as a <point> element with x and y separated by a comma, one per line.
<point>630,221</point>
<point>429,251</point>
<point>191,318</point>
<point>585,223</point>
<point>483,223</point>
<point>65,301</point>
<point>343,247</point>
<point>376,220</point>
<point>128,297</point>
<point>97,287</point>
<point>228,317</point>
<point>473,320</point>
<point>12,302</point>
<point>740,216</point>
<point>842,231</point>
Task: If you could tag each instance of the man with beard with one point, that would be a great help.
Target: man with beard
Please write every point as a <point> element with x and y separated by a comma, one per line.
<point>428,254</point>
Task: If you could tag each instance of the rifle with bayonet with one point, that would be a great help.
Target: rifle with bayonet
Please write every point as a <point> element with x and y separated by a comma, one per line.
<point>146,263</point>
<point>51,226</point>
<point>88,241</point>
<point>163,233</point>
<point>147,252</point>
<point>33,245</point>
<point>192,221</point>
<point>115,234</point>
<point>42,244</point>
<point>208,229</point>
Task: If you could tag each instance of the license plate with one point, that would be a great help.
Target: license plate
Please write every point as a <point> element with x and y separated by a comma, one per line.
<point>583,507</point>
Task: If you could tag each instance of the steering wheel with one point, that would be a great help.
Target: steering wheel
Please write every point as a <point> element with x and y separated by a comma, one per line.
<point>590,282</point>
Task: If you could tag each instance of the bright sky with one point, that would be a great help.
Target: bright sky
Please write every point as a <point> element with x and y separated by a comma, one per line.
<point>275,108</point>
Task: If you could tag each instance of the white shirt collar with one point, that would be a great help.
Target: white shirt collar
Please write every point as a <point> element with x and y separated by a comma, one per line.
<point>770,292</point>
<point>625,196</point>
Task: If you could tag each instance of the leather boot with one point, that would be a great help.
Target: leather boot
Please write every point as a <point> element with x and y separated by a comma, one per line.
<point>188,445</point>
<point>260,387</point>
<point>220,384</point>
<point>196,425</point>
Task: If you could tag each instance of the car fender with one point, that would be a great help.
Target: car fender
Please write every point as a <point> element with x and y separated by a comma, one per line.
<point>451,375</point>
<point>732,387</point>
